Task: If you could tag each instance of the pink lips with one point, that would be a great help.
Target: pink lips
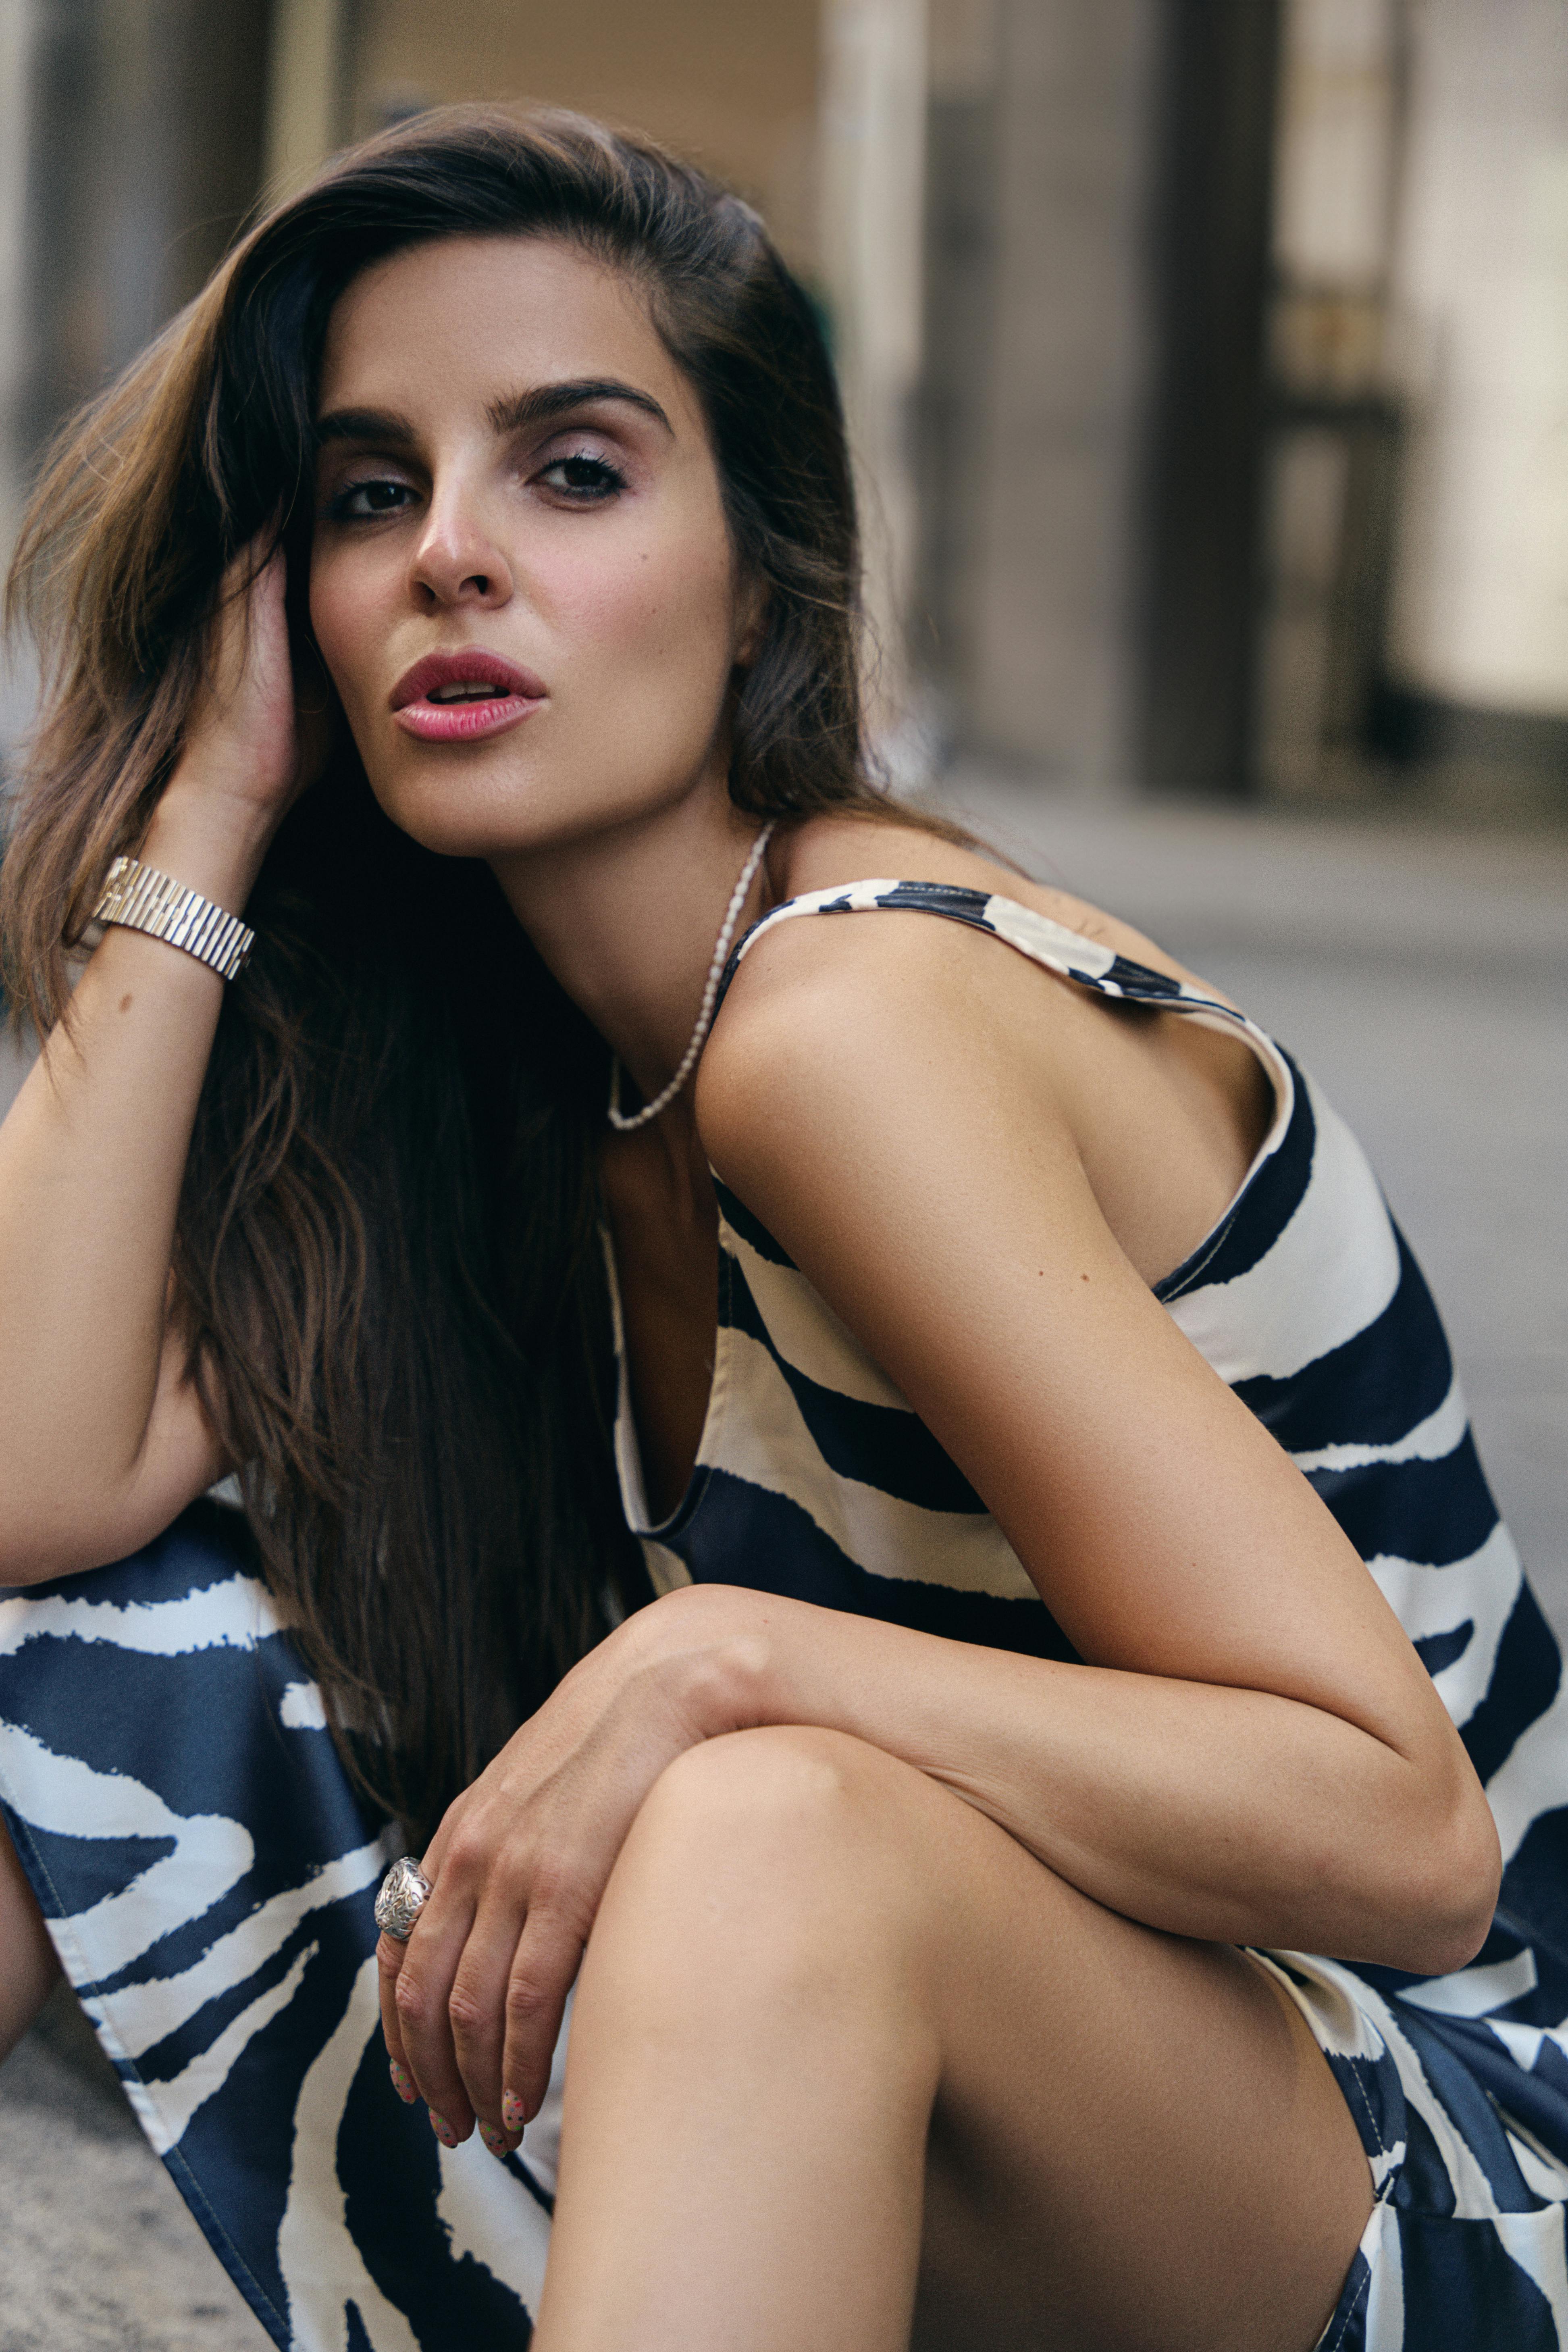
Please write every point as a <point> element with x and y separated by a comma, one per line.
<point>512,694</point>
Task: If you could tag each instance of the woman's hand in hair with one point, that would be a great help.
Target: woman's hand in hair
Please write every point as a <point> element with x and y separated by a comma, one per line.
<point>256,735</point>
<point>104,1437</point>
<point>471,2005</point>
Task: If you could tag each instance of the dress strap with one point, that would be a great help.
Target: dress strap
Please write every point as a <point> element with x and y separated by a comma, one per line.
<point>1070,954</point>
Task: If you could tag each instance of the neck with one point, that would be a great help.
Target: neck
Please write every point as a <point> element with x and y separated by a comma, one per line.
<point>626,921</point>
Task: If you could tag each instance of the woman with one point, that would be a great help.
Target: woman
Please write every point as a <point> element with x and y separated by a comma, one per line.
<point>934,1850</point>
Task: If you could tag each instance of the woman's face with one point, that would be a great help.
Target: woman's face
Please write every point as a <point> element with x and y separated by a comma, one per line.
<point>521,578</point>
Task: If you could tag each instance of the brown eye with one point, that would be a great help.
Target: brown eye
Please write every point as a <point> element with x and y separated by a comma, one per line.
<point>588,480</point>
<point>362,501</point>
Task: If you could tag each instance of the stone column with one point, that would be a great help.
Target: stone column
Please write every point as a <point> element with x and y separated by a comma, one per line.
<point>1037,342</point>
<point>872,179</point>
<point>131,141</point>
<point>144,141</point>
<point>308,78</point>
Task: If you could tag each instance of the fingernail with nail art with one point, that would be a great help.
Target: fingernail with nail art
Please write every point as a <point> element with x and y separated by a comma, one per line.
<point>496,2142</point>
<point>443,2129</point>
<point>511,2112</point>
<point>402,2083</point>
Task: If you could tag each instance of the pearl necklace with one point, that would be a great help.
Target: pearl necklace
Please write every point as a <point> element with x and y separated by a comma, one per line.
<point>618,1118</point>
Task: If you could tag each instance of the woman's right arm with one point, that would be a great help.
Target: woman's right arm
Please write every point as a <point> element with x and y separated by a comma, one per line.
<point>102,1438</point>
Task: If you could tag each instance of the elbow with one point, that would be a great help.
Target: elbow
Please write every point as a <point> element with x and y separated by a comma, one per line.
<point>1455,1869</point>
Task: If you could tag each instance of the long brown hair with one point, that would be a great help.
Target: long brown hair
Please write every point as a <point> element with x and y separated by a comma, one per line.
<point>387,1261</point>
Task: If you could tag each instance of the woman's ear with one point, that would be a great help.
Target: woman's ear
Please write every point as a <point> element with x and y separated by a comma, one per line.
<point>751,608</point>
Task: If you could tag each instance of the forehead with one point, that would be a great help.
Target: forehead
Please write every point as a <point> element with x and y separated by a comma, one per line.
<point>465,317</point>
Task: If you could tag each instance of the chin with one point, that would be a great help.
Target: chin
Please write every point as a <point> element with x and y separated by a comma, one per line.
<point>456,833</point>
<point>459,808</point>
<point>471,804</point>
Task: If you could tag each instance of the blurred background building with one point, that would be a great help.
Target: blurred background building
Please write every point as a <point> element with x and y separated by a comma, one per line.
<point>1207,360</point>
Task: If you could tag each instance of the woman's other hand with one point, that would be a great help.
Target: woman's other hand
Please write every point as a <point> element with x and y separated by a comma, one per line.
<point>471,2004</point>
<point>257,734</point>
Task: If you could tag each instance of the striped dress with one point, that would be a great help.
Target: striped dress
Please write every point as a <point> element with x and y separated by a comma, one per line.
<point>165,1770</point>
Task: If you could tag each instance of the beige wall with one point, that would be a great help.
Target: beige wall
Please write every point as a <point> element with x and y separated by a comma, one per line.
<point>733,87</point>
<point>1046,405</point>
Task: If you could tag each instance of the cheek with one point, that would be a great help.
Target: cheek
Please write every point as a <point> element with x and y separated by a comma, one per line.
<point>664,602</point>
<point>343,620</point>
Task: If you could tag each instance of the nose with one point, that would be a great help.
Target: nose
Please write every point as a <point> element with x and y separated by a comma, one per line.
<point>458,561</point>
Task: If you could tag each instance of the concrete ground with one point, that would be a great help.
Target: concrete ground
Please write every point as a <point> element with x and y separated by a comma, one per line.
<point>1423,975</point>
<point>98,2250</point>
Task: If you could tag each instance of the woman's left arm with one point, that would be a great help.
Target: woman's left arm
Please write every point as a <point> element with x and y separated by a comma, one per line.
<point>1251,1753</point>
<point>1254,1751</point>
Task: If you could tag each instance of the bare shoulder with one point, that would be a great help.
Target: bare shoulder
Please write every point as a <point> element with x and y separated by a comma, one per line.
<point>831,1020</point>
<point>842,1006</point>
<point>925,1049</point>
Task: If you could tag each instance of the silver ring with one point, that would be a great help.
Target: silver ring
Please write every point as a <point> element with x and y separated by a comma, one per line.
<point>405,1891</point>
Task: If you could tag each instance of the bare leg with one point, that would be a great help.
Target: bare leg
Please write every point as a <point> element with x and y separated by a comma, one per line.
<point>849,2069</point>
<point>27,1964</point>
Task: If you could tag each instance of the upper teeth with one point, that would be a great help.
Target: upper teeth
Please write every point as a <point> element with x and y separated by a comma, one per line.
<point>465,690</point>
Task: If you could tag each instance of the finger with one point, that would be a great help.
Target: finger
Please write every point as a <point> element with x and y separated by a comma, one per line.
<point>390,1952</point>
<point>389,1963</point>
<point>250,597</point>
<point>263,611</point>
<point>543,1972</point>
<point>478,2015</point>
<point>421,1995</point>
<point>254,583</point>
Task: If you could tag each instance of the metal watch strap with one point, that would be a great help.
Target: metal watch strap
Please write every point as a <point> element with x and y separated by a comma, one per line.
<point>143,899</point>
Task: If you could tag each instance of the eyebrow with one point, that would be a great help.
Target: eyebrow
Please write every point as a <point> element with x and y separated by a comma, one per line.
<point>547,400</point>
<point>510,414</point>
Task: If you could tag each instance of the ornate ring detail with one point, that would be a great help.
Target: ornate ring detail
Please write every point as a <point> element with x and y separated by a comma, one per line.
<point>405,1891</point>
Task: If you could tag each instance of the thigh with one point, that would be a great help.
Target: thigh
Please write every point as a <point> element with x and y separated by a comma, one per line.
<point>1136,2140</point>
<point>28,1968</point>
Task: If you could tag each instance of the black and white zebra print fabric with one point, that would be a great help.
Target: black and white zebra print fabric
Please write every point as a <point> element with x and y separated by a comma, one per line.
<point>207,1875</point>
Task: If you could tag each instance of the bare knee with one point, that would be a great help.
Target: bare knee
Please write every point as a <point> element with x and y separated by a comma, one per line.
<point>788,1793</point>
<point>792,1845</point>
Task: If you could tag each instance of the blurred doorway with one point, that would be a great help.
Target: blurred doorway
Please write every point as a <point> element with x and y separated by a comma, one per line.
<point>1356,550</point>
<point>1210,255</point>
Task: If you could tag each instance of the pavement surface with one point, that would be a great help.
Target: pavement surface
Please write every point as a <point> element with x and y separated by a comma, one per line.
<point>1423,976</point>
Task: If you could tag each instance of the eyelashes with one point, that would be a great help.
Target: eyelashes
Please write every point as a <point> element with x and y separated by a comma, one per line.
<point>580,478</point>
<point>592,480</point>
<point>367,501</point>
